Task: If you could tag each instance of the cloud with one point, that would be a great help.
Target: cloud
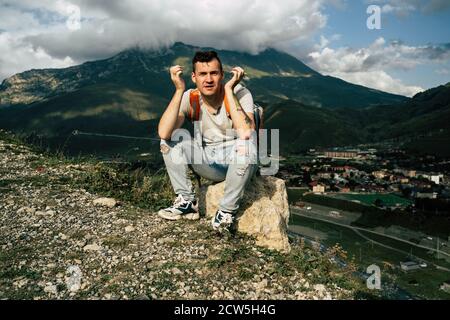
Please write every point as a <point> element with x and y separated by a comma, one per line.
<point>380,80</point>
<point>108,27</point>
<point>443,71</point>
<point>368,66</point>
<point>406,7</point>
<point>15,55</point>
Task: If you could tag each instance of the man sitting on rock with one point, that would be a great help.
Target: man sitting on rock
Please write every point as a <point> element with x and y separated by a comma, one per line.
<point>225,150</point>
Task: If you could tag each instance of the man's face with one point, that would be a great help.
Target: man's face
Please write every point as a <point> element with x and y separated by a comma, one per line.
<point>208,77</point>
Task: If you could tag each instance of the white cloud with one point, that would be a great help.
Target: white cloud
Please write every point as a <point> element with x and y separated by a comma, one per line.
<point>108,27</point>
<point>380,80</point>
<point>443,71</point>
<point>406,7</point>
<point>370,66</point>
<point>34,34</point>
<point>15,54</point>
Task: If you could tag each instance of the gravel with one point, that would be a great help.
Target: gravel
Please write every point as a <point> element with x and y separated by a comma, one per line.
<point>60,242</point>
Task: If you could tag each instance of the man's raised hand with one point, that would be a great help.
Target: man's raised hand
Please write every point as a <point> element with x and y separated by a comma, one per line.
<point>175,75</point>
<point>238,74</point>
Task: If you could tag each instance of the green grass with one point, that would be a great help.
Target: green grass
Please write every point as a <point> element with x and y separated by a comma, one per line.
<point>295,194</point>
<point>140,186</point>
<point>369,199</point>
<point>340,204</point>
<point>419,252</point>
<point>365,253</point>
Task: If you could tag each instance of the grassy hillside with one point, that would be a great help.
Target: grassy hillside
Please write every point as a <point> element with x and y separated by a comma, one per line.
<point>126,251</point>
<point>126,94</point>
<point>101,108</point>
<point>421,124</point>
<point>303,127</point>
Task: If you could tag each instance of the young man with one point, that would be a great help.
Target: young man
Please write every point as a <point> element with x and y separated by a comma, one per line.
<point>225,124</point>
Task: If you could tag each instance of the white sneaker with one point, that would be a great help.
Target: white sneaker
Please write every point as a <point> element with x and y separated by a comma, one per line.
<point>181,208</point>
<point>222,220</point>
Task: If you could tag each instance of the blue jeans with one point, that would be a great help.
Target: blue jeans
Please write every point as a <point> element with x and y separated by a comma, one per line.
<point>231,161</point>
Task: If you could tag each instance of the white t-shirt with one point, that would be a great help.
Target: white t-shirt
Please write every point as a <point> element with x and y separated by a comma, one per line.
<point>217,128</point>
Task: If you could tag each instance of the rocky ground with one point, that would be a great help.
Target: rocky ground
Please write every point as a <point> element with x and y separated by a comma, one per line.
<point>58,242</point>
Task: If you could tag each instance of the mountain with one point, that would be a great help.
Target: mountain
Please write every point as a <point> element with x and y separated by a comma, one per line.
<point>303,127</point>
<point>127,93</point>
<point>422,124</point>
<point>273,76</point>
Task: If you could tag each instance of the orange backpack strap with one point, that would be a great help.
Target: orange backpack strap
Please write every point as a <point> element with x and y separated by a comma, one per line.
<point>227,106</point>
<point>194,102</point>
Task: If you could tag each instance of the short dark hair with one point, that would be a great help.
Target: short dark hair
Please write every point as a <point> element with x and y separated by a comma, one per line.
<point>205,56</point>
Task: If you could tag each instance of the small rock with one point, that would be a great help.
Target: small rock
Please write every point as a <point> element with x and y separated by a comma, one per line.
<point>129,229</point>
<point>176,271</point>
<point>228,295</point>
<point>328,297</point>
<point>50,213</point>
<point>50,288</point>
<point>105,202</point>
<point>165,240</point>
<point>319,288</point>
<point>92,247</point>
<point>27,210</point>
<point>261,285</point>
<point>20,283</point>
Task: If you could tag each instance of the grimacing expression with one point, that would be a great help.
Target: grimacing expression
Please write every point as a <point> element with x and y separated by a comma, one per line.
<point>208,77</point>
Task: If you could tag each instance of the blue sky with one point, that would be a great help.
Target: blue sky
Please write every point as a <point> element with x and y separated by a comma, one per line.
<point>414,28</point>
<point>410,53</point>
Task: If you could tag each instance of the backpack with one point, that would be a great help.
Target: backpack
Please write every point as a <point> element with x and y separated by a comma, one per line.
<point>258,113</point>
<point>194,111</point>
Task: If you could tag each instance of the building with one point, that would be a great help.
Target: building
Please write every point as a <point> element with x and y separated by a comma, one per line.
<point>409,265</point>
<point>318,188</point>
<point>436,178</point>
<point>426,195</point>
<point>410,173</point>
<point>341,154</point>
<point>380,174</point>
<point>324,175</point>
<point>445,286</point>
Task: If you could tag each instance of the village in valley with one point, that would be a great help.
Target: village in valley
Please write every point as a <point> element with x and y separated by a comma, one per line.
<point>393,205</point>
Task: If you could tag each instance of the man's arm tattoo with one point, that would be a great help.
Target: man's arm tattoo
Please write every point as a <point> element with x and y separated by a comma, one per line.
<point>239,108</point>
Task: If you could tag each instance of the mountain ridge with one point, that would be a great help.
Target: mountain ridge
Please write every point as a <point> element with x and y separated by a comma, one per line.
<point>127,93</point>
<point>273,74</point>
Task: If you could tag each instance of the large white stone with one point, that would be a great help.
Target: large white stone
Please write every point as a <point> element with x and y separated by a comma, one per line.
<point>263,213</point>
<point>105,202</point>
<point>92,247</point>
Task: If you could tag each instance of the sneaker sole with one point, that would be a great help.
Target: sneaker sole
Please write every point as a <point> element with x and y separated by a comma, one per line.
<point>189,216</point>
<point>167,216</point>
<point>220,227</point>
